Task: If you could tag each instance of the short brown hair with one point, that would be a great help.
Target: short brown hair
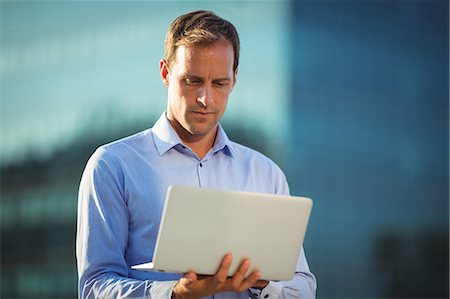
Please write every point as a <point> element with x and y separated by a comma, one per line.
<point>200,27</point>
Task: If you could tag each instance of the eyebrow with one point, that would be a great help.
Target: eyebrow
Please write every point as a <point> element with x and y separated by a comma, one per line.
<point>187,76</point>
<point>222,79</point>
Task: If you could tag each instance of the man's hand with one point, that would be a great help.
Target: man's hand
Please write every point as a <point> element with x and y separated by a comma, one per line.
<point>193,286</point>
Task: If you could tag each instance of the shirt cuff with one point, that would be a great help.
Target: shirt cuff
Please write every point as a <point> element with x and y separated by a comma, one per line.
<point>272,290</point>
<point>162,289</point>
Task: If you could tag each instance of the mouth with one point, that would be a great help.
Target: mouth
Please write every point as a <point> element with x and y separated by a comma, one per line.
<point>203,112</point>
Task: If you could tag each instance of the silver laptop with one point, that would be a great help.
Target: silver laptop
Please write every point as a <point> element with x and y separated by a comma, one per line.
<point>199,226</point>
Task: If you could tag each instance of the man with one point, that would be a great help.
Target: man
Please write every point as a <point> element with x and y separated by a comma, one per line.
<point>124,184</point>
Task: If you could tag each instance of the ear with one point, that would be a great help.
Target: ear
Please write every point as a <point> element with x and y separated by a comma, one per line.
<point>164,71</point>
<point>235,76</point>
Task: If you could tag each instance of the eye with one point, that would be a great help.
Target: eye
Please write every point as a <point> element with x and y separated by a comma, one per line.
<point>192,81</point>
<point>221,83</point>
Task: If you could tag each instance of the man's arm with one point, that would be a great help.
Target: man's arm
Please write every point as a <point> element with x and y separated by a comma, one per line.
<point>102,236</point>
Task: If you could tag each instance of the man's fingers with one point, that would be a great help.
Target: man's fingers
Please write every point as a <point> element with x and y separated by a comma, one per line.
<point>249,281</point>
<point>184,284</point>
<point>187,279</point>
<point>190,277</point>
<point>192,285</point>
<point>239,276</point>
<point>222,272</point>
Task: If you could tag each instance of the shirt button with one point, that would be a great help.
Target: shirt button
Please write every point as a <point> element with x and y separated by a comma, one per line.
<point>201,165</point>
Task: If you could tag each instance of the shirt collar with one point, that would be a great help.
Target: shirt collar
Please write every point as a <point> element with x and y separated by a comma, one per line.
<point>166,138</point>
<point>223,143</point>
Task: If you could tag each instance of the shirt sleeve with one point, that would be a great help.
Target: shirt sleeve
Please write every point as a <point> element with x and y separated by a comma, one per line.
<point>102,235</point>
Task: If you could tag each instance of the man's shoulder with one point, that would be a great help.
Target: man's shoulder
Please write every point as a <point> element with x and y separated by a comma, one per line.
<point>269,176</point>
<point>120,147</point>
<point>133,140</point>
<point>249,154</point>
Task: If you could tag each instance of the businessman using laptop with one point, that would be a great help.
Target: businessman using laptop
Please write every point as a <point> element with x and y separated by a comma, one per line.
<point>124,184</point>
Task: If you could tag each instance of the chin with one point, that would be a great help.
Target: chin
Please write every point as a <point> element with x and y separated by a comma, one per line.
<point>201,130</point>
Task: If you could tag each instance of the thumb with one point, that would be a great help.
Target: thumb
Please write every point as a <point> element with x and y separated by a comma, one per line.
<point>189,278</point>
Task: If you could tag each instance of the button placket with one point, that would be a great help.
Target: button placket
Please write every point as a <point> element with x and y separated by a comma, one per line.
<point>199,175</point>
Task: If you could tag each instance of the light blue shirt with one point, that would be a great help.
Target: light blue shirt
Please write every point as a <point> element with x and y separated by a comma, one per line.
<point>120,203</point>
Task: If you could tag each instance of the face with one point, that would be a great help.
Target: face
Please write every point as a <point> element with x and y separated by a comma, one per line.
<point>199,82</point>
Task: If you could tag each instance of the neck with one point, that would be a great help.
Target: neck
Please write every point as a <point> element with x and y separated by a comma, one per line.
<point>199,144</point>
<point>200,147</point>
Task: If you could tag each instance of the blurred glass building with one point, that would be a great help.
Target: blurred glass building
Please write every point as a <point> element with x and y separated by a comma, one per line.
<point>350,98</point>
<point>369,122</point>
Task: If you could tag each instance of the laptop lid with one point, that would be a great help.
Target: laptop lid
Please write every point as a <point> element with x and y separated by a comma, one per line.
<point>199,226</point>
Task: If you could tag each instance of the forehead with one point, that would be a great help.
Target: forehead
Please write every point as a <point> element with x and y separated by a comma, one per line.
<point>218,56</point>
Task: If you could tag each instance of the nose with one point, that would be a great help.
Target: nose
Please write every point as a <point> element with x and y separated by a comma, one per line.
<point>205,97</point>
